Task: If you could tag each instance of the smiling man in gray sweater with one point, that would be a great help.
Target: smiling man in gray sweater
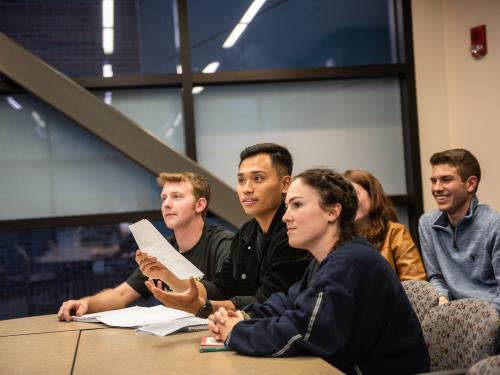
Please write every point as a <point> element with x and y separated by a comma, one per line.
<point>461,241</point>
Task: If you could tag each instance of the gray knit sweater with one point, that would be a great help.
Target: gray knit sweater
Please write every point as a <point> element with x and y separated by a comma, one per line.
<point>463,262</point>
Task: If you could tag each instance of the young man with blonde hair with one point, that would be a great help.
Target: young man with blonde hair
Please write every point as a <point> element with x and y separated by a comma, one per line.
<point>184,202</point>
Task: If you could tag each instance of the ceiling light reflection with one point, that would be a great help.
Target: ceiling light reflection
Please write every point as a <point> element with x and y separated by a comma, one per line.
<point>38,119</point>
<point>108,19</point>
<point>108,24</point>
<point>235,35</point>
<point>249,15</point>
<point>107,70</point>
<point>178,119</point>
<point>252,11</point>
<point>14,103</point>
<point>211,68</point>
<point>169,133</point>
<point>108,43</point>
<point>197,89</point>
<point>108,97</point>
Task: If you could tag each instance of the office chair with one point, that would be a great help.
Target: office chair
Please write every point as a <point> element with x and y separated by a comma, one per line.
<point>486,366</point>
<point>460,333</point>
<point>422,296</point>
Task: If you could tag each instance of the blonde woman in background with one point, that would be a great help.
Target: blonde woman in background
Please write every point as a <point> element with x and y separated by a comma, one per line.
<point>377,221</point>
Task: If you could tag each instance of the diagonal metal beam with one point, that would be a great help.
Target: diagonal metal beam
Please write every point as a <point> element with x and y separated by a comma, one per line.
<point>108,124</point>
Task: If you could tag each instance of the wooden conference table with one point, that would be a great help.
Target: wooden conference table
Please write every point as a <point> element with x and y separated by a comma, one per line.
<point>43,345</point>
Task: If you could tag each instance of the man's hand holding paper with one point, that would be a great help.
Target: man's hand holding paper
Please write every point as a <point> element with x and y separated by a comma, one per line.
<point>154,269</point>
<point>152,243</point>
<point>151,267</point>
<point>157,259</point>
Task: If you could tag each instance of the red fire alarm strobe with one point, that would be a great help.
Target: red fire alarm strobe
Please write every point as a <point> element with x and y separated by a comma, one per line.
<point>478,46</point>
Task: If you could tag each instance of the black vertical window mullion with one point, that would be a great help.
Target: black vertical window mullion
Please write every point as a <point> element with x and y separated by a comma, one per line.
<point>410,119</point>
<point>187,80</point>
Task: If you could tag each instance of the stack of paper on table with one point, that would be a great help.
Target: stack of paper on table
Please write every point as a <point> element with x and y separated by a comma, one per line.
<point>134,316</point>
<point>179,325</point>
<point>158,320</point>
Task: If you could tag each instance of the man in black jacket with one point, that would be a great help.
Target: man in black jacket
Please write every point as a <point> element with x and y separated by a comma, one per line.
<point>261,261</point>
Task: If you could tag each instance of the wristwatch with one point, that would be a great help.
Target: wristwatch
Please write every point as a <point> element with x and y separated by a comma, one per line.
<point>205,310</point>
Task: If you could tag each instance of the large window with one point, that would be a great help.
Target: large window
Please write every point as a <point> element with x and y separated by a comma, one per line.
<point>52,167</point>
<point>291,34</point>
<point>341,124</point>
<point>333,80</point>
<point>159,110</point>
<point>86,38</point>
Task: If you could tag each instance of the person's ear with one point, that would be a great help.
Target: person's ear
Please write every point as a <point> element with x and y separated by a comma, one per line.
<point>285,183</point>
<point>334,212</point>
<point>200,205</point>
<point>471,184</point>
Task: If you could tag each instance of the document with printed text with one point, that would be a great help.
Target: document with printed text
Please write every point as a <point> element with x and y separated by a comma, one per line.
<point>151,241</point>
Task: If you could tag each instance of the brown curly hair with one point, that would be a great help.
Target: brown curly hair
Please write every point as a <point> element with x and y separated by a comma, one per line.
<point>334,188</point>
<point>374,226</point>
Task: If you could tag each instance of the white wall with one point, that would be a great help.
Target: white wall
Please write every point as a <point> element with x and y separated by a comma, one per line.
<point>458,103</point>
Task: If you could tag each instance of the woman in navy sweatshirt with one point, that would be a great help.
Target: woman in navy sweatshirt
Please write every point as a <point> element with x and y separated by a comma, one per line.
<point>349,308</point>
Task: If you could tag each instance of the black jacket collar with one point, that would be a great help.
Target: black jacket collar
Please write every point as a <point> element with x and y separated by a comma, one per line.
<point>249,230</point>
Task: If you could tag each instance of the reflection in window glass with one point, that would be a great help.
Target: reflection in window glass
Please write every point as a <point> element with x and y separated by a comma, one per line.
<point>137,37</point>
<point>291,34</point>
<point>349,124</point>
<point>41,268</point>
<point>52,167</point>
<point>157,110</point>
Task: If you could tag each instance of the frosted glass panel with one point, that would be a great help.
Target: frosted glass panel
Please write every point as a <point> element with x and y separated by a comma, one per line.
<point>157,110</point>
<point>340,124</point>
<point>52,167</point>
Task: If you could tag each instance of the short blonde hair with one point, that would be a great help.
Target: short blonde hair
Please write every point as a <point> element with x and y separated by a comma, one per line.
<point>200,186</point>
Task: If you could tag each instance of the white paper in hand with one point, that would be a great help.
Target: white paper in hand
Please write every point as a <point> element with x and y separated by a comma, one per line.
<point>152,242</point>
